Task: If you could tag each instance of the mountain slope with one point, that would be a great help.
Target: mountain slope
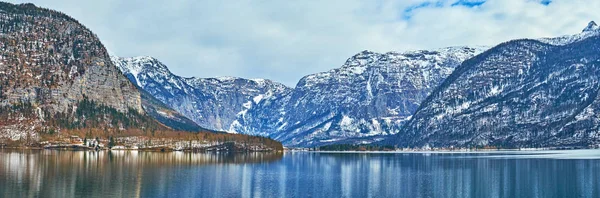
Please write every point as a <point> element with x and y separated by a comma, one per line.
<point>75,64</point>
<point>213,103</point>
<point>55,74</point>
<point>50,64</point>
<point>523,93</point>
<point>167,116</point>
<point>370,96</point>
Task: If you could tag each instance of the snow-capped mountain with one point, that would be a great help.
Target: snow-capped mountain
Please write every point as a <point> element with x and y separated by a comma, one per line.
<point>522,93</point>
<point>213,103</point>
<point>591,27</point>
<point>369,97</point>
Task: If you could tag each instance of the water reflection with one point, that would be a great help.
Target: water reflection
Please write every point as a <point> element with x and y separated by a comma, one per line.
<point>148,174</point>
<point>45,173</point>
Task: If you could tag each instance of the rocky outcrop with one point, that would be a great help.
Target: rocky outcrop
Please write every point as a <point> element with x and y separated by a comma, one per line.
<point>51,60</point>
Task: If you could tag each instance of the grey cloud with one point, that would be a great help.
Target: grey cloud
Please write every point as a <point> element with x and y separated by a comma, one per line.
<point>285,40</point>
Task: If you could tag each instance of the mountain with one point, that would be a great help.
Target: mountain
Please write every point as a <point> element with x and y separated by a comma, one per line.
<point>591,27</point>
<point>213,103</point>
<point>55,73</point>
<point>49,63</point>
<point>57,80</point>
<point>522,93</point>
<point>43,60</point>
<point>369,97</point>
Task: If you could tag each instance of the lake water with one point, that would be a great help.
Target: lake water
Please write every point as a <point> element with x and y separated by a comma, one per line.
<point>30,173</point>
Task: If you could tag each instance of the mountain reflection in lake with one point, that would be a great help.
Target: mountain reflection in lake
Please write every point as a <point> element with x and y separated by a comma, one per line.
<point>178,174</point>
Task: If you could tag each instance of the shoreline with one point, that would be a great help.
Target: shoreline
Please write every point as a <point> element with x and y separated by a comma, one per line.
<point>448,150</point>
<point>165,150</point>
<point>221,150</point>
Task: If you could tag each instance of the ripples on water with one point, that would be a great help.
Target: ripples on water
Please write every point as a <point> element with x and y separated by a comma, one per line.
<point>46,173</point>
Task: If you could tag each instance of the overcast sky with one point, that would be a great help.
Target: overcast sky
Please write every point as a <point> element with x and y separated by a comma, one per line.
<point>286,40</point>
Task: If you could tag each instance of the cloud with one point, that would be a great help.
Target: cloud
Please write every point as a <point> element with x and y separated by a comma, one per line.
<point>285,40</point>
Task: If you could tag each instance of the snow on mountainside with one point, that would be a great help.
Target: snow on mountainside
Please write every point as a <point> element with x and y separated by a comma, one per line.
<point>522,93</point>
<point>213,103</point>
<point>368,99</point>
<point>370,96</point>
<point>590,30</point>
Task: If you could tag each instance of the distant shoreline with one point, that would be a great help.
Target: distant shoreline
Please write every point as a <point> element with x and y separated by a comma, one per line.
<point>445,150</point>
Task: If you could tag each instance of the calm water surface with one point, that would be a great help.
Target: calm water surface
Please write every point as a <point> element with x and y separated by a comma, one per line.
<point>27,173</point>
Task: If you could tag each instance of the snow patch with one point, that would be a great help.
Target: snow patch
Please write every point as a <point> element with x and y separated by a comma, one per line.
<point>346,121</point>
<point>258,98</point>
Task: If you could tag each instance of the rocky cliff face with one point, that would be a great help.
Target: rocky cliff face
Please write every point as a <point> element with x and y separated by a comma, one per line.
<point>370,96</point>
<point>51,60</point>
<point>55,74</point>
<point>213,103</point>
<point>522,93</point>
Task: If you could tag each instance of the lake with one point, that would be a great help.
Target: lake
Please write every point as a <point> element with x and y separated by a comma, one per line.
<point>46,173</point>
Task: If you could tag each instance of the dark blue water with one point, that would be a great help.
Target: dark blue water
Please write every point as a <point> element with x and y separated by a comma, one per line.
<point>300,174</point>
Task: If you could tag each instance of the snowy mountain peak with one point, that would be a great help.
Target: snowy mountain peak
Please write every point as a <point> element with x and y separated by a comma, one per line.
<point>362,58</point>
<point>590,30</point>
<point>366,52</point>
<point>210,102</point>
<point>367,57</point>
<point>592,26</point>
<point>139,63</point>
<point>371,95</point>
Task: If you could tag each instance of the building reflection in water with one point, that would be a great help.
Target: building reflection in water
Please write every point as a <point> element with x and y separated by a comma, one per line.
<point>179,174</point>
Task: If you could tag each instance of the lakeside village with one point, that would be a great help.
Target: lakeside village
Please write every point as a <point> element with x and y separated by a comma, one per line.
<point>142,143</point>
<point>145,143</point>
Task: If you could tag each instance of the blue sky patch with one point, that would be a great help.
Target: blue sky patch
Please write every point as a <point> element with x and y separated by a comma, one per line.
<point>546,2</point>
<point>409,11</point>
<point>468,3</point>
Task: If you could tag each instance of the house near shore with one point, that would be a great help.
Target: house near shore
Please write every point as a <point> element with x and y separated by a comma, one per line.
<point>94,143</point>
<point>75,140</point>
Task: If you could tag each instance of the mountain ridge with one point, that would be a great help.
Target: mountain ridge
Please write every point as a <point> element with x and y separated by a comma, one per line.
<point>525,98</point>
<point>359,101</point>
<point>211,102</point>
<point>353,103</point>
<point>279,96</point>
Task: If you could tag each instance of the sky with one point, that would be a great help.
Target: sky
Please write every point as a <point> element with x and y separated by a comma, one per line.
<point>286,40</point>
